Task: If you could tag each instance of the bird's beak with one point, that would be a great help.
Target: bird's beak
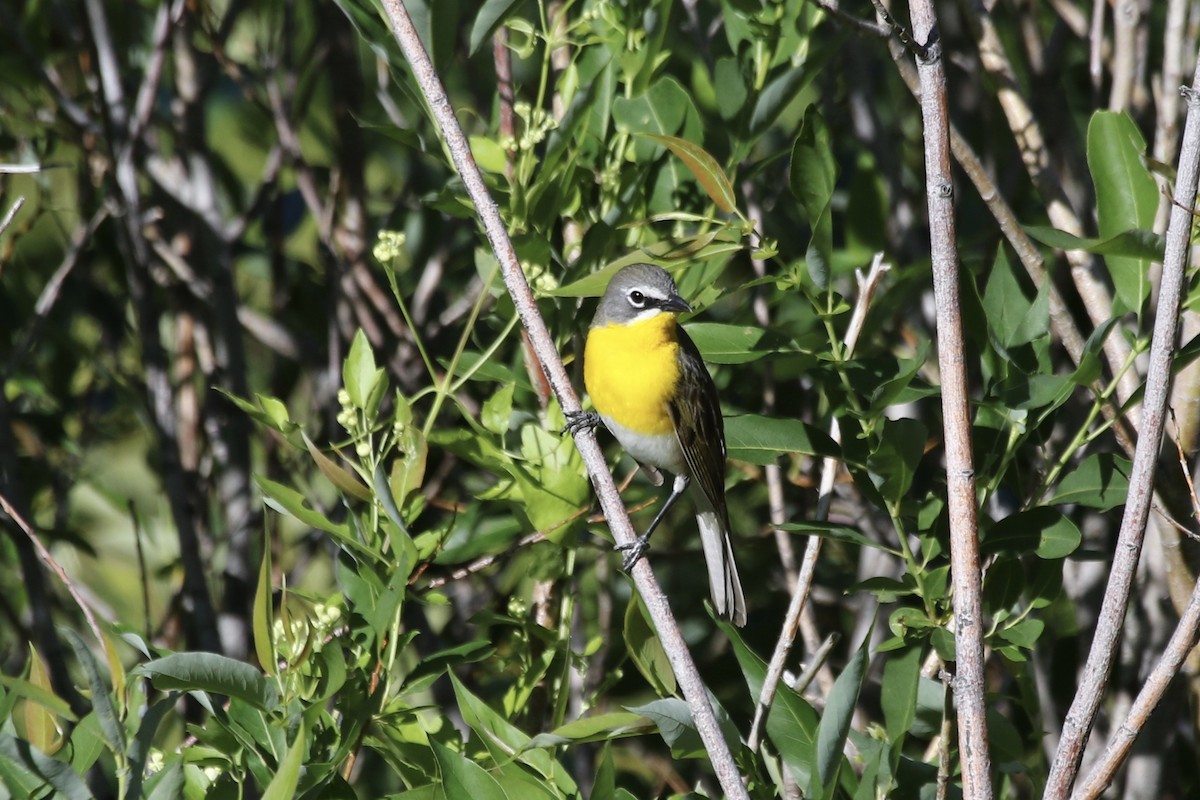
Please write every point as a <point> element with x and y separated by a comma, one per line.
<point>676,304</point>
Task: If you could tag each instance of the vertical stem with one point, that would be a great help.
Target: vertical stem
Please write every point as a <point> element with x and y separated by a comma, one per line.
<point>960,472</point>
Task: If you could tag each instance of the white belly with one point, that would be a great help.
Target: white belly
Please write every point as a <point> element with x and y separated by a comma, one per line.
<point>661,451</point>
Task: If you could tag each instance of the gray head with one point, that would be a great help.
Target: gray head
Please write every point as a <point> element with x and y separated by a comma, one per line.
<point>638,292</point>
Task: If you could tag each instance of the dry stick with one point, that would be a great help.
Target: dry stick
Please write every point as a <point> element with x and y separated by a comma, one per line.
<point>1124,62</point>
<point>610,501</point>
<point>12,212</point>
<point>55,567</point>
<point>1079,720</point>
<point>50,292</point>
<point>960,472</point>
<point>1183,639</point>
<point>791,622</point>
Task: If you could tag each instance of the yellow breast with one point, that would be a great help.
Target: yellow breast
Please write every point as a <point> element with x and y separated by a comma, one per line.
<point>631,372</point>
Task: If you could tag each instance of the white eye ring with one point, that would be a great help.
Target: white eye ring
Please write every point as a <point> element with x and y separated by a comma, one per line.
<point>637,299</point>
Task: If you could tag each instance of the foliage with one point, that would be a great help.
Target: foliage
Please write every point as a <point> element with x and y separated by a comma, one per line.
<point>266,397</point>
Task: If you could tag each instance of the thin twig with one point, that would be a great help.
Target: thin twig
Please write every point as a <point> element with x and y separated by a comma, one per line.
<point>50,292</point>
<point>966,577</point>
<point>1120,742</point>
<point>1086,704</point>
<point>55,567</point>
<point>920,50</point>
<point>12,213</point>
<point>693,687</point>
<point>866,291</point>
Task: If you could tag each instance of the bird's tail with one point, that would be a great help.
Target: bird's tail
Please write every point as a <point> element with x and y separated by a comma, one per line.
<point>723,581</point>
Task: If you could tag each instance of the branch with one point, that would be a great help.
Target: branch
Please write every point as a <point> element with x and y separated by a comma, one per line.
<point>1082,715</point>
<point>966,578</point>
<point>1182,641</point>
<point>866,290</point>
<point>652,595</point>
<point>56,568</point>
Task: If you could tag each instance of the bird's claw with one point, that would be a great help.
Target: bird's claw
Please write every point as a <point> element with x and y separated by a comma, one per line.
<point>579,421</point>
<point>634,551</point>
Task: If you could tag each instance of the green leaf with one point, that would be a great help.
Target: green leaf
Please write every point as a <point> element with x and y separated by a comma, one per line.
<point>139,750</point>
<point>98,685</point>
<point>39,695</point>
<point>839,710</point>
<point>1126,198</point>
<point>760,440</point>
<point>1042,530</point>
<point>675,724</point>
<point>283,785</point>
<point>264,641</point>
<point>18,759</point>
<point>899,692</point>
<point>346,481</point>
<point>730,88</point>
<point>270,411</point>
<point>720,343</point>
<point>704,167</point>
<point>604,785</point>
<point>492,728</point>
<point>497,410</point>
<point>287,500</point>
<point>14,776</point>
<point>167,783</point>
<point>1024,633</point>
<point>812,178</point>
<point>1137,243</point>
<point>408,469</point>
<point>359,374</point>
<point>776,96</point>
<point>462,777</point>
<point>661,110</point>
<point>836,532</point>
<point>1011,317</point>
<point>894,463</point>
<point>211,672</point>
<point>791,722</point>
<point>41,723</point>
<point>647,651</point>
<point>1101,481</point>
<point>596,728</point>
<point>490,17</point>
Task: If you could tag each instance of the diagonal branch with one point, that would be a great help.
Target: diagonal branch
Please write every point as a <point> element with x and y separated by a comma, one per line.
<point>1078,723</point>
<point>673,643</point>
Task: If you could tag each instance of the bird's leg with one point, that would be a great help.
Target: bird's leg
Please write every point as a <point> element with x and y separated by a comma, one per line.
<point>579,421</point>
<point>638,547</point>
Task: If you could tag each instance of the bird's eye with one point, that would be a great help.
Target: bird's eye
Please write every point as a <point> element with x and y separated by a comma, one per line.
<point>637,299</point>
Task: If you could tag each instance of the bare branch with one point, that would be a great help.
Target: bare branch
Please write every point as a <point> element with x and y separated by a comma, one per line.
<point>965,571</point>
<point>693,687</point>
<point>1079,720</point>
<point>791,623</point>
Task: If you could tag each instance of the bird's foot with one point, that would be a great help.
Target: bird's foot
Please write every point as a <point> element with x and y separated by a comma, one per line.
<point>579,421</point>
<point>634,551</point>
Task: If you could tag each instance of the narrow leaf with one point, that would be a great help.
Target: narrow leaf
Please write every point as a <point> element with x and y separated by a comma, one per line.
<point>704,167</point>
<point>339,476</point>
<point>839,709</point>
<point>210,672</point>
<point>283,785</point>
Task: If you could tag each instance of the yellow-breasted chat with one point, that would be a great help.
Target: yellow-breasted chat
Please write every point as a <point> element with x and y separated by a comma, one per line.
<point>652,391</point>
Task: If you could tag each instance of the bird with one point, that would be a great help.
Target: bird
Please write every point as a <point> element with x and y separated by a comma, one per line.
<point>650,388</point>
